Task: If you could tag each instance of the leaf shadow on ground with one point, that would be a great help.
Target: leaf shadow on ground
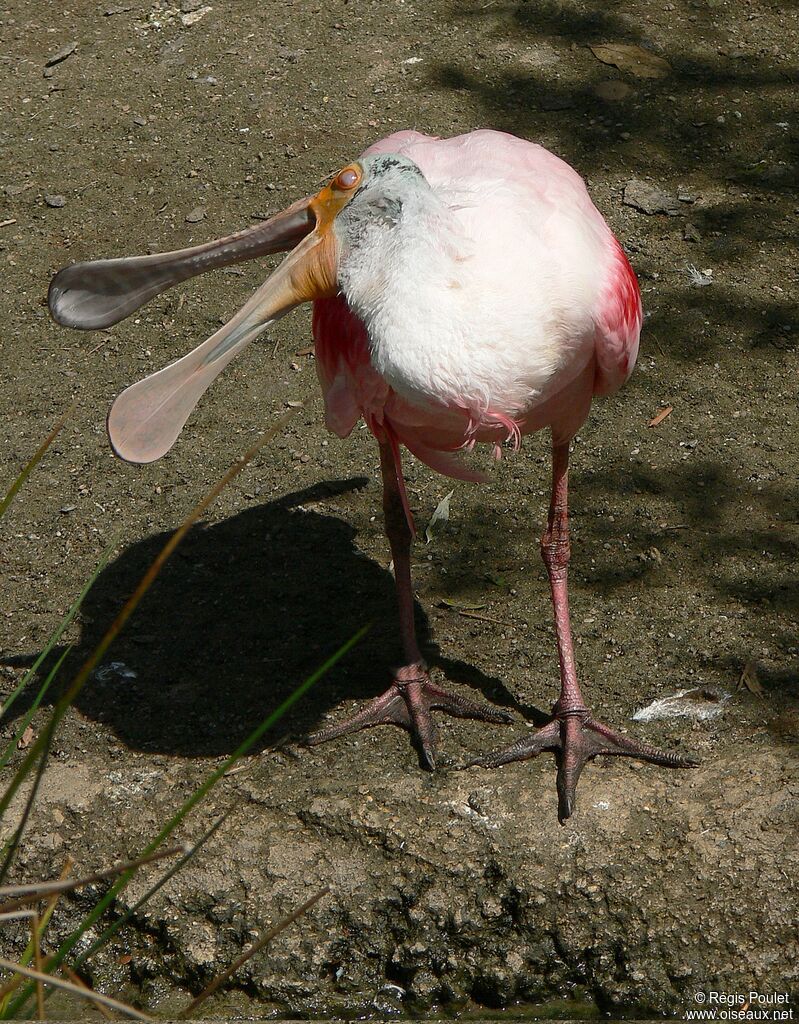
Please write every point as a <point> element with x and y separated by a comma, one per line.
<point>672,120</point>
<point>717,122</point>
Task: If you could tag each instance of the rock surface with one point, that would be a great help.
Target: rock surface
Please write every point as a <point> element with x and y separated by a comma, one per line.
<point>457,887</point>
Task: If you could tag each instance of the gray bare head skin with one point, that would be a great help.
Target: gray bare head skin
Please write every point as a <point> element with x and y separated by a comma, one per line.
<point>392,187</point>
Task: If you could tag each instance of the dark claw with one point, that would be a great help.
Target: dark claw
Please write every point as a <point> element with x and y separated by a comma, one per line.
<point>576,740</point>
<point>408,703</point>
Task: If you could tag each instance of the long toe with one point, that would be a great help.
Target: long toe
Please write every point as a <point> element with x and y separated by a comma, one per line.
<point>408,703</point>
<point>529,746</point>
<point>575,740</point>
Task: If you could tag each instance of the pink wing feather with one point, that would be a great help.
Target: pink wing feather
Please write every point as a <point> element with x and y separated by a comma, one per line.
<point>618,328</point>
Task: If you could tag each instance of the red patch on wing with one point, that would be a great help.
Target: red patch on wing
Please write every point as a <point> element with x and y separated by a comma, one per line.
<point>618,326</point>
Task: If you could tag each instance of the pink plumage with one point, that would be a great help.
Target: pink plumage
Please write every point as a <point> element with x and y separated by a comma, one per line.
<point>467,170</point>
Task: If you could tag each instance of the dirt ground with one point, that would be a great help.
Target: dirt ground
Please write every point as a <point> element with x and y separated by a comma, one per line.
<point>170,125</point>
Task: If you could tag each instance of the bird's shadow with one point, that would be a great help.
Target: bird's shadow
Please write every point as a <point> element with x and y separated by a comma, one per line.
<point>244,611</point>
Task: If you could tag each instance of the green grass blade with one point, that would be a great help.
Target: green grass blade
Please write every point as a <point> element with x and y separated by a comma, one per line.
<point>10,847</point>
<point>28,716</point>
<point>97,911</point>
<point>132,603</point>
<point>35,459</point>
<point>105,937</point>
<point>56,636</point>
<point>41,745</point>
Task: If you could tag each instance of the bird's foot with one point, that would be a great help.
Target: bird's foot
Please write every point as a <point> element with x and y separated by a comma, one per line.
<point>576,738</point>
<point>408,703</point>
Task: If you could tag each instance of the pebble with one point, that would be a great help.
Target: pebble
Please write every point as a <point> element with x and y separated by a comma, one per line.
<point>194,16</point>
<point>649,199</point>
<point>60,55</point>
<point>55,201</point>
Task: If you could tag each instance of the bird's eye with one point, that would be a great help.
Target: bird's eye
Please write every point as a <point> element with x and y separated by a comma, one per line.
<point>348,178</point>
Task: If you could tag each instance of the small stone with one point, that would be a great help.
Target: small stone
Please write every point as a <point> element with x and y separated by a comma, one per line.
<point>61,55</point>
<point>55,201</point>
<point>196,215</point>
<point>140,120</point>
<point>194,16</point>
<point>648,199</point>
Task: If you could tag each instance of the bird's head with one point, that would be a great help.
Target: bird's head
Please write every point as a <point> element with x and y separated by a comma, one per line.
<point>329,235</point>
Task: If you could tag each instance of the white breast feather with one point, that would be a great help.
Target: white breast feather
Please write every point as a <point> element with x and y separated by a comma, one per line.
<point>480,300</point>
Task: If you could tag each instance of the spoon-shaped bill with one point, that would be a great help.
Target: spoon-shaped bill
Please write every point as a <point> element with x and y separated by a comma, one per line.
<point>100,293</point>
<point>146,419</point>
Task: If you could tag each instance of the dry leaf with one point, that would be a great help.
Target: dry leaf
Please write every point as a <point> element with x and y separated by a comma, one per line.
<point>749,679</point>
<point>25,739</point>
<point>635,60</point>
<point>441,515</point>
<point>657,420</point>
<point>458,604</point>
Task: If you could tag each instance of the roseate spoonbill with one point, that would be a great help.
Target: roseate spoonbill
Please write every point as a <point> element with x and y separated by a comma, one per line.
<point>465,290</point>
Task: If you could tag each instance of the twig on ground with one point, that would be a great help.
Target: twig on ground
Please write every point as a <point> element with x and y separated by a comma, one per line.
<point>67,986</point>
<point>248,953</point>
<point>38,890</point>
<point>484,618</point>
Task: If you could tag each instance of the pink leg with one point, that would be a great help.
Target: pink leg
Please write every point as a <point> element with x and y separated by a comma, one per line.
<point>412,695</point>
<point>573,734</point>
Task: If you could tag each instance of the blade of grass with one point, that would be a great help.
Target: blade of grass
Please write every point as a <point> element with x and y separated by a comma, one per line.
<point>77,980</point>
<point>56,636</point>
<point>209,783</point>
<point>41,744</point>
<point>27,956</point>
<point>37,959</point>
<point>97,911</point>
<point>34,891</point>
<point>10,987</point>
<point>84,993</point>
<point>34,460</point>
<point>105,937</point>
<point>132,603</point>
<point>256,947</point>
<point>10,847</point>
<point>16,739</point>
